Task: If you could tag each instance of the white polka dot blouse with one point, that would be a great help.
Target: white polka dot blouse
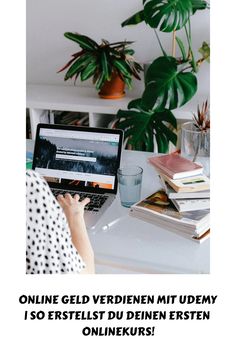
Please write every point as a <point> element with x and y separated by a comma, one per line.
<point>49,248</point>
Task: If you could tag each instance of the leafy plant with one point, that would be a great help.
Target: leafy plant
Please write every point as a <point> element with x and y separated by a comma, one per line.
<point>100,61</point>
<point>197,133</point>
<point>170,82</point>
<point>201,120</point>
<point>140,125</point>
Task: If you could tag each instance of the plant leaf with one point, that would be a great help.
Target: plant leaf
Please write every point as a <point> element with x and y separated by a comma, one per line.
<point>165,133</point>
<point>205,51</point>
<point>166,116</point>
<point>84,41</point>
<point>100,81</point>
<point>78,66</point>
<point>129,51</point>
<point>122,67</point>
<point>166,87</point>
<point>134,19</point>
<point>149,144</point>
<point>133,70</point>
<point>126,114</point>
<point>199,5</point>
<point>167,15</point>
<point>121,44</point>
<point>181,47</point>
<point>75,56</point>
<point>88,71</point>
<point>136,104</point>
<point>128,81</point>
<point>162,143</point>
<point>169,134</point>
<point>105,66</point>
<point>141,127</point>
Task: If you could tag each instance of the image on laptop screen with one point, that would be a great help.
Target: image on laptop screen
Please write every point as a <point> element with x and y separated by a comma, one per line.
<point>78,158</point>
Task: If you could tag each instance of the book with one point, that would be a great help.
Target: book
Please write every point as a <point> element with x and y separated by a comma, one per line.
<point>69,118</point>
<point>176,166</point>
<point>188,184</point>
<point>159,210</point>
<point>172,194</point>
<point>191,204</point>
<point>29,160</point>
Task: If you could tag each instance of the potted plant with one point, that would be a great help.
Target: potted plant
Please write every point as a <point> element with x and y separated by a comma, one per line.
<point>170,81</point>
<point>110,65</point>
<point>195,137</point>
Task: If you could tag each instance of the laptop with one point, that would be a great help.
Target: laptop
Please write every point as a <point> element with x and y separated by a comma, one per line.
<point>80,160</point>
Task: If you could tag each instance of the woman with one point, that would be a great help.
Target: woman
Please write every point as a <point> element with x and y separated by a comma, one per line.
<point>56,235</point>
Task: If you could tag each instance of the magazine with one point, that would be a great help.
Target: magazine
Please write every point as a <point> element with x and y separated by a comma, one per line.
<point>158,209</point>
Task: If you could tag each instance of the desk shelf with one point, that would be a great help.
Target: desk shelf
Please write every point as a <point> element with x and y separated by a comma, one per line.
<point>41,99</point>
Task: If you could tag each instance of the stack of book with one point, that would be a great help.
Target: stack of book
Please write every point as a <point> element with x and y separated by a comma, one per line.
<point>183,204</point>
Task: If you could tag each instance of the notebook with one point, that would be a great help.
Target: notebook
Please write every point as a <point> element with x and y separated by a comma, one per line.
<point>176,166</point>
<point>80,160</point>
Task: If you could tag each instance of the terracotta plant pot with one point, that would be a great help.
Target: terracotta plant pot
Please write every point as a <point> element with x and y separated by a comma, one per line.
<point>113,89</point>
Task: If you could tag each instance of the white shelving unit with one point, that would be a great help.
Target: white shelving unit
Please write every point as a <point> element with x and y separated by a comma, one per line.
<point>42,98</point>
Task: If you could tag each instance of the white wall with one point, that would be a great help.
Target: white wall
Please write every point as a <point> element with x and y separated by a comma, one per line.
<point>48,49</point>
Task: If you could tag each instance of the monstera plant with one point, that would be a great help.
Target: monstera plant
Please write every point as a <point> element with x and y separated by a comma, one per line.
<point>170,81</point>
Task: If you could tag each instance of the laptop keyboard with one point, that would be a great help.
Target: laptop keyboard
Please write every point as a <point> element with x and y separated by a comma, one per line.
<point>96,200</point>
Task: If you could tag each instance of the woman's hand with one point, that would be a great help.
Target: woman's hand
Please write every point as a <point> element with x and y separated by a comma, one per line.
<point>73,208</point>
<point>74,211</point>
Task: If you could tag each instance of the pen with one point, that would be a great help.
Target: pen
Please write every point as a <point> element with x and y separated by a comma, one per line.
<point>112,223</point>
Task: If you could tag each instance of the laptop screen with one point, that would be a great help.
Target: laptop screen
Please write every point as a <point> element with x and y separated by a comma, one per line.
<point>77,158</point>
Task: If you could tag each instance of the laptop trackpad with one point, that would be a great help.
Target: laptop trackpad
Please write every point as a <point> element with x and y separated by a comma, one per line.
<point>92,217</point>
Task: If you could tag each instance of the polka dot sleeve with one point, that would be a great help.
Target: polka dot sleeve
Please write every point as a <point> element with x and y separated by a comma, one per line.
<point>49,247</point>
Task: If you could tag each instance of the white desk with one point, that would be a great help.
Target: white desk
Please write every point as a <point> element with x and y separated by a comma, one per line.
<point>134,246</point>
